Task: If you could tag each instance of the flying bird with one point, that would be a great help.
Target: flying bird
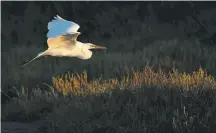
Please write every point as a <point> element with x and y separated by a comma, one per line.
<point>62,41</point>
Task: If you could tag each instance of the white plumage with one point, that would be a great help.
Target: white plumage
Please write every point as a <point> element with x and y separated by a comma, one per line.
<point>60,26</point>
<point>62,41</point>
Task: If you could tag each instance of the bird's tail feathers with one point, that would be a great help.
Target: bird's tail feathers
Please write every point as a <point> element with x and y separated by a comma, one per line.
<point>39,55</point>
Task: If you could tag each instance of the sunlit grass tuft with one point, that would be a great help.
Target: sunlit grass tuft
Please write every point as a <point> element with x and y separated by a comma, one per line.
<point>77,83</point>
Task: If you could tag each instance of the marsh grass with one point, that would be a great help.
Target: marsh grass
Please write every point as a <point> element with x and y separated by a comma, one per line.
<point>73,83</point>
<point>142,101</point>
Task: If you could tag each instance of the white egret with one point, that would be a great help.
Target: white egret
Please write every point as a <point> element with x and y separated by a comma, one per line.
<point>62,41</point>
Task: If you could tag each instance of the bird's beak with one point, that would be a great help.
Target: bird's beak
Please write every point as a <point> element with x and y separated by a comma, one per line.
<point>99,47</point>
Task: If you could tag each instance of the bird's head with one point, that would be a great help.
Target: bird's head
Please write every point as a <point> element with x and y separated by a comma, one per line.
<point>93,46</point>
<point>86,49</point>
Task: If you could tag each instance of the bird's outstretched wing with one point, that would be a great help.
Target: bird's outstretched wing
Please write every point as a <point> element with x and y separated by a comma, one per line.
<point>70,37</point>
<point>59,26</point>
<point>63,40</point>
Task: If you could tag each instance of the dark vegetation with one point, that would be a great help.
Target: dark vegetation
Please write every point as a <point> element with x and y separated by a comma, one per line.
<point>156,76</point>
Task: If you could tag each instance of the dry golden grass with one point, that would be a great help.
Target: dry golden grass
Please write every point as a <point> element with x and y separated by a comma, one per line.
<point>76,83</point>
<point>153,98</point>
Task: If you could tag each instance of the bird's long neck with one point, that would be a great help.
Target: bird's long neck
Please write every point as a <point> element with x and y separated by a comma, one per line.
<point>86,53</point>
<point>79,44</point>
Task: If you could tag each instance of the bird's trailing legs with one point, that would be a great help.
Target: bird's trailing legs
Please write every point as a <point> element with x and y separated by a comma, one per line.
<point>39,55</point>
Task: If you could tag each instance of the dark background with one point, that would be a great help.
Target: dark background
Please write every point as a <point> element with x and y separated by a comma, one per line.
<point>133,32</point>
<point>101,21</point>
<point>133,91</point>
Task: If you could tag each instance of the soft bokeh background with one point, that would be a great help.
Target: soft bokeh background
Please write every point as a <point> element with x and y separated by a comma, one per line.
<point>180,34</point>
<point>158,74</point>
